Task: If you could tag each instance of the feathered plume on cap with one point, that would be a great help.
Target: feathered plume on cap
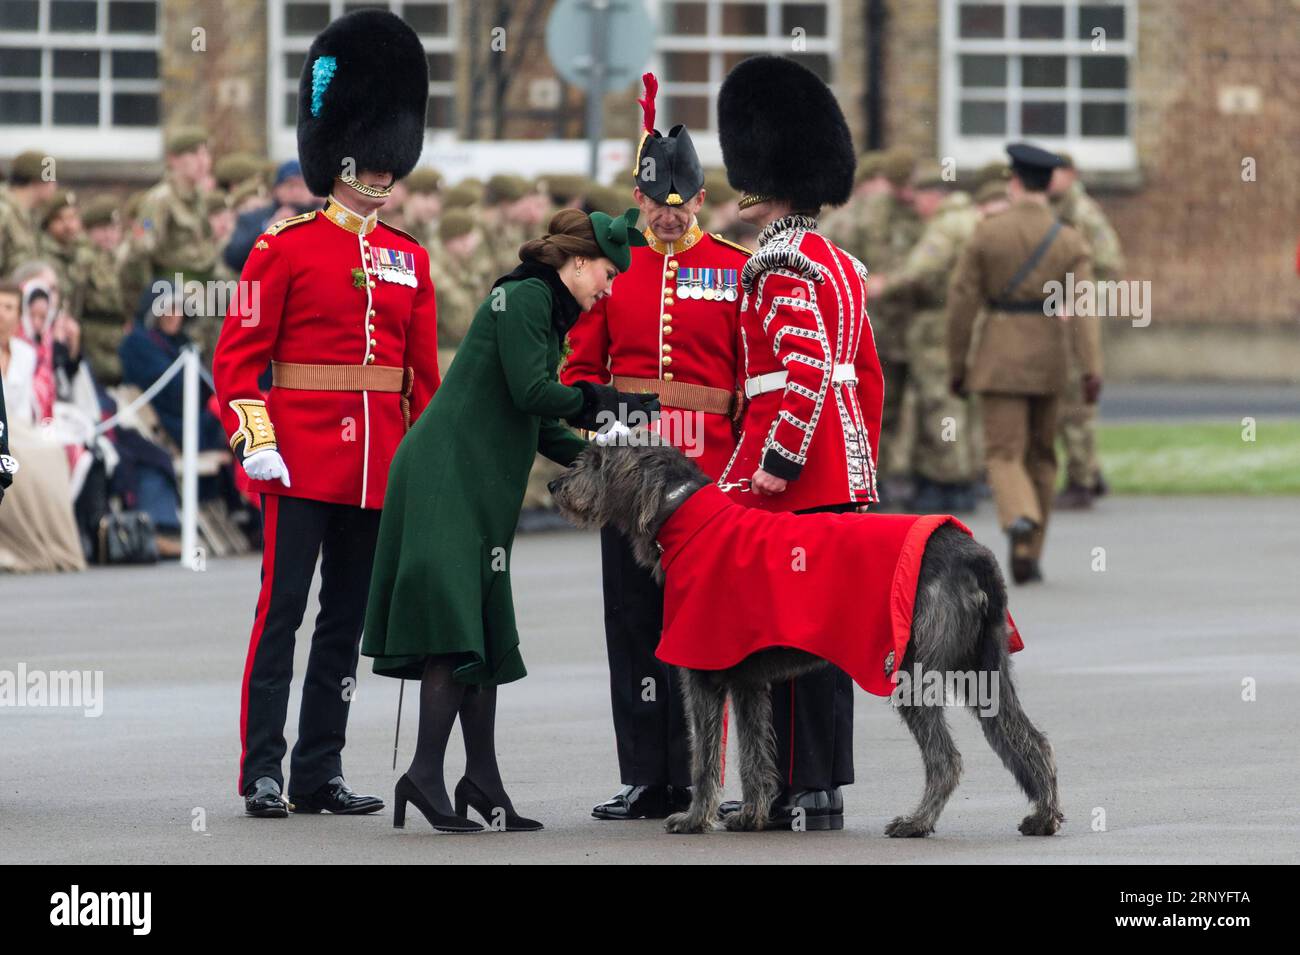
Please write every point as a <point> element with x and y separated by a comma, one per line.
<point>667,168</point>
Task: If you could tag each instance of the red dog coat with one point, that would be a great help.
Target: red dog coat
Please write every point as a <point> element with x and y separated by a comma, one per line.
<point>839,586</point>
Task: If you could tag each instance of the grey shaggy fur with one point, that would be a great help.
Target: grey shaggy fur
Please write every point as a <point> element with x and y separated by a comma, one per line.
<point>959,626</point>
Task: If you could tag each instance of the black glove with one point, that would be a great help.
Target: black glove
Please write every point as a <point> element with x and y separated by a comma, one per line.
<point>602,404</point>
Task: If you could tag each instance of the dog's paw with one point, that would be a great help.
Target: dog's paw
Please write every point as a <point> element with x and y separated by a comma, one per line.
<point>1042,824</point>
<point>684,823</point>
<point>745,819</point>
<point>905,827</point>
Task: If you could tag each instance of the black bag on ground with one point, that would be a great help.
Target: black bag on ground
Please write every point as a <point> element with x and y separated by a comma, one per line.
<point>126,537</point>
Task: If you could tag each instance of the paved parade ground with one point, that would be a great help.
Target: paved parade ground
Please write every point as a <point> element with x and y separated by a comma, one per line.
<point>1136,673</point>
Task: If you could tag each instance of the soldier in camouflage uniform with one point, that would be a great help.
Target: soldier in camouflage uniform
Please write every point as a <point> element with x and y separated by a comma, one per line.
<point>28,189</point>
<point>502,232</point>
<point>175,236</point>
<point>423,205</point>
<point>104,312</point>
<point>1077,421</point>
<point>461,281</point>
<point>944,450</point>
<point>63,245</point>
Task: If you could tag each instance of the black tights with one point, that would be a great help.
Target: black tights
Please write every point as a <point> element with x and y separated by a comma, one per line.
<point>442,699</point>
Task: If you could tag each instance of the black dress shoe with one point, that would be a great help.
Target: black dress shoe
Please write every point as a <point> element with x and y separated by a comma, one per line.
<point>336,797</point>
<point>820,810</point>
<point>638,802</point>
<point>264,800</point>
<point>468,793</point>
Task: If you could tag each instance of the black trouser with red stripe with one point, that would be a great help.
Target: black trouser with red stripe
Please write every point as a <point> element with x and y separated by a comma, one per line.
<point>296,531</point>
<point>813,719</point>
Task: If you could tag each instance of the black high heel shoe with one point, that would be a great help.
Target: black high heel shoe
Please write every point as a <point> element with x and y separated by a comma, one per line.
<point>467,793</point>
<point>408,791</point>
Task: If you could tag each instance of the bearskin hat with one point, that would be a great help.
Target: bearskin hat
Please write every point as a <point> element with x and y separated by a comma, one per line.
<point>362,98</point>
<point>668,169</point>
<point>783,135</point>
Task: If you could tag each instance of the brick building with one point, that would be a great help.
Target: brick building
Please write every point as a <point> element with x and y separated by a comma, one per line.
<point>1183,115</point>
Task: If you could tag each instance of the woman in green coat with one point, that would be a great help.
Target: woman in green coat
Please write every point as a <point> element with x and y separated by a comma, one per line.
<point>440,607</point>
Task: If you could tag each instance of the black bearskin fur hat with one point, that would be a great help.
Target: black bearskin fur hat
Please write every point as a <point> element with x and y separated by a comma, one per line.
<point>362,97</point>
<point>783,135</point>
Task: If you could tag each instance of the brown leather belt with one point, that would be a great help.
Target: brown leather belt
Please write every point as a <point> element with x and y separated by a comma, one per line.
<point>682,394</point>
<point>385,378</point>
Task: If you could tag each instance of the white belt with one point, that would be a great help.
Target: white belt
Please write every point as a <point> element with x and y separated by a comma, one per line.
<point>775,380</point>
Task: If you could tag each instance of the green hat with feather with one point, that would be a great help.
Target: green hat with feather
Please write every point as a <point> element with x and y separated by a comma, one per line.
<point>616,235</point>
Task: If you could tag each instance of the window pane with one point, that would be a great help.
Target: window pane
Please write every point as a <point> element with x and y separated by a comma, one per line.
<point>983,70</point>
<point>429,19</point>
<point>76,109</point>
<point>981,118</point>
<point>1042,23</point>
<point>19,14</point>
<point>73,16</point>
<point>76,64</point>
<point>819,63</point>
<point>441,114</point>
<point>20,108</point>
<point>685,19</point>
<point>131,16</point>
<point>349,7</point>
<point>978,21</point>
<point>19,61</point>
<point>1110,19</point>
<point>1039,71</point>
<point>135,65</point>
<point>1104,119</point>
<point>290,110</point>
<point>293,64</point>
<point>810,17</point>
<point>442,69</point>
<point>744,19</point>
<point>135,109</point>
<point>686,67</point>
<point>305,19</point>
<point>691,110</point>
<point>1042,119</point>
<point>1104,73</point>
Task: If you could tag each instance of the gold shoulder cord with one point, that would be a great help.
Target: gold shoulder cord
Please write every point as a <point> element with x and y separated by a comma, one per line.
<point>255,430</point>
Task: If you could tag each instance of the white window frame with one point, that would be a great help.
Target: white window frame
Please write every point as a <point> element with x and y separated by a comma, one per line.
<point>282,141</point>
<point>1100,153</point>
<point>717,46</point>
<point>103,141</point>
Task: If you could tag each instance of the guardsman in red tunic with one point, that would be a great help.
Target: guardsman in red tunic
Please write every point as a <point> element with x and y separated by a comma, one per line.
<point>341,307</point>
<point>813,385</point>
<point>670,326</point>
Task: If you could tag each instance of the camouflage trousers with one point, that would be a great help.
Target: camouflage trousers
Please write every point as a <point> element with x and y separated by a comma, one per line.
<point>100,338</point>
<point>1076,426</point>
<point>895,433</point>
<point>946,444</point>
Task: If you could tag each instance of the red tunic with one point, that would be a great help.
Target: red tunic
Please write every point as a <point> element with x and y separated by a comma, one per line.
<point>839,586</point>
<point>646,329</point>
<point>309,309</point>
<point>805,313</point>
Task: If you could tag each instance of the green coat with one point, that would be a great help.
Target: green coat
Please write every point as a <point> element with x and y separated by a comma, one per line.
<point>441,580</point>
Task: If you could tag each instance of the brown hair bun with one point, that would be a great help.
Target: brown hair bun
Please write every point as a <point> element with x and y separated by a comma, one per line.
<point>569,234</point>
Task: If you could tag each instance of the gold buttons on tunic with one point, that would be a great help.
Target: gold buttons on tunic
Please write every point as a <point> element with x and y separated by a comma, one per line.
<point>672,264</point>
<point>667,359</point>
<point>372,284</point>
<point>373,343</point>
<point>370,328</point>
<point>667,317</point>
<point>370,359</point>
<point>372,313</point>
<point>668,329</point>
<point>667,348</point>
<point>668,376</point>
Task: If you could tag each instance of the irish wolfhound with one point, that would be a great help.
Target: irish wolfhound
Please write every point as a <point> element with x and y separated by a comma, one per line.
<point>958,626</point>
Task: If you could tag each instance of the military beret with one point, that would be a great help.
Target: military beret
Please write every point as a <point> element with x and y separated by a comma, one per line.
<point>504,187</point>
<point>236,168</point>
<point>929,175</point>
<point>990,191</point>
<point>870,164</point>
<point>246,190</point>
<point>424,181</point>
<point>606,199</point>
<point>995,171</point>
<point>216,201</point>
<point>62,199</point>
<point>28,166</point>
<point>564,187</point>
<point>717,187</point>
<point>897,166</point>
<point>102,210</point>
<point>184,139</point>
<point>455,223</point>
<point>462,196</point>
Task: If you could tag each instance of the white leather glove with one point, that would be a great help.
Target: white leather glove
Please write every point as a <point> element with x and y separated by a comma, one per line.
<point>266,466</point>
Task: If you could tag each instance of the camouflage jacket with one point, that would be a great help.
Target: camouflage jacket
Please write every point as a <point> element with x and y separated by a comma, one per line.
<point>1076,208</point>
<point>923,277</point>
<point>175,235</point>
